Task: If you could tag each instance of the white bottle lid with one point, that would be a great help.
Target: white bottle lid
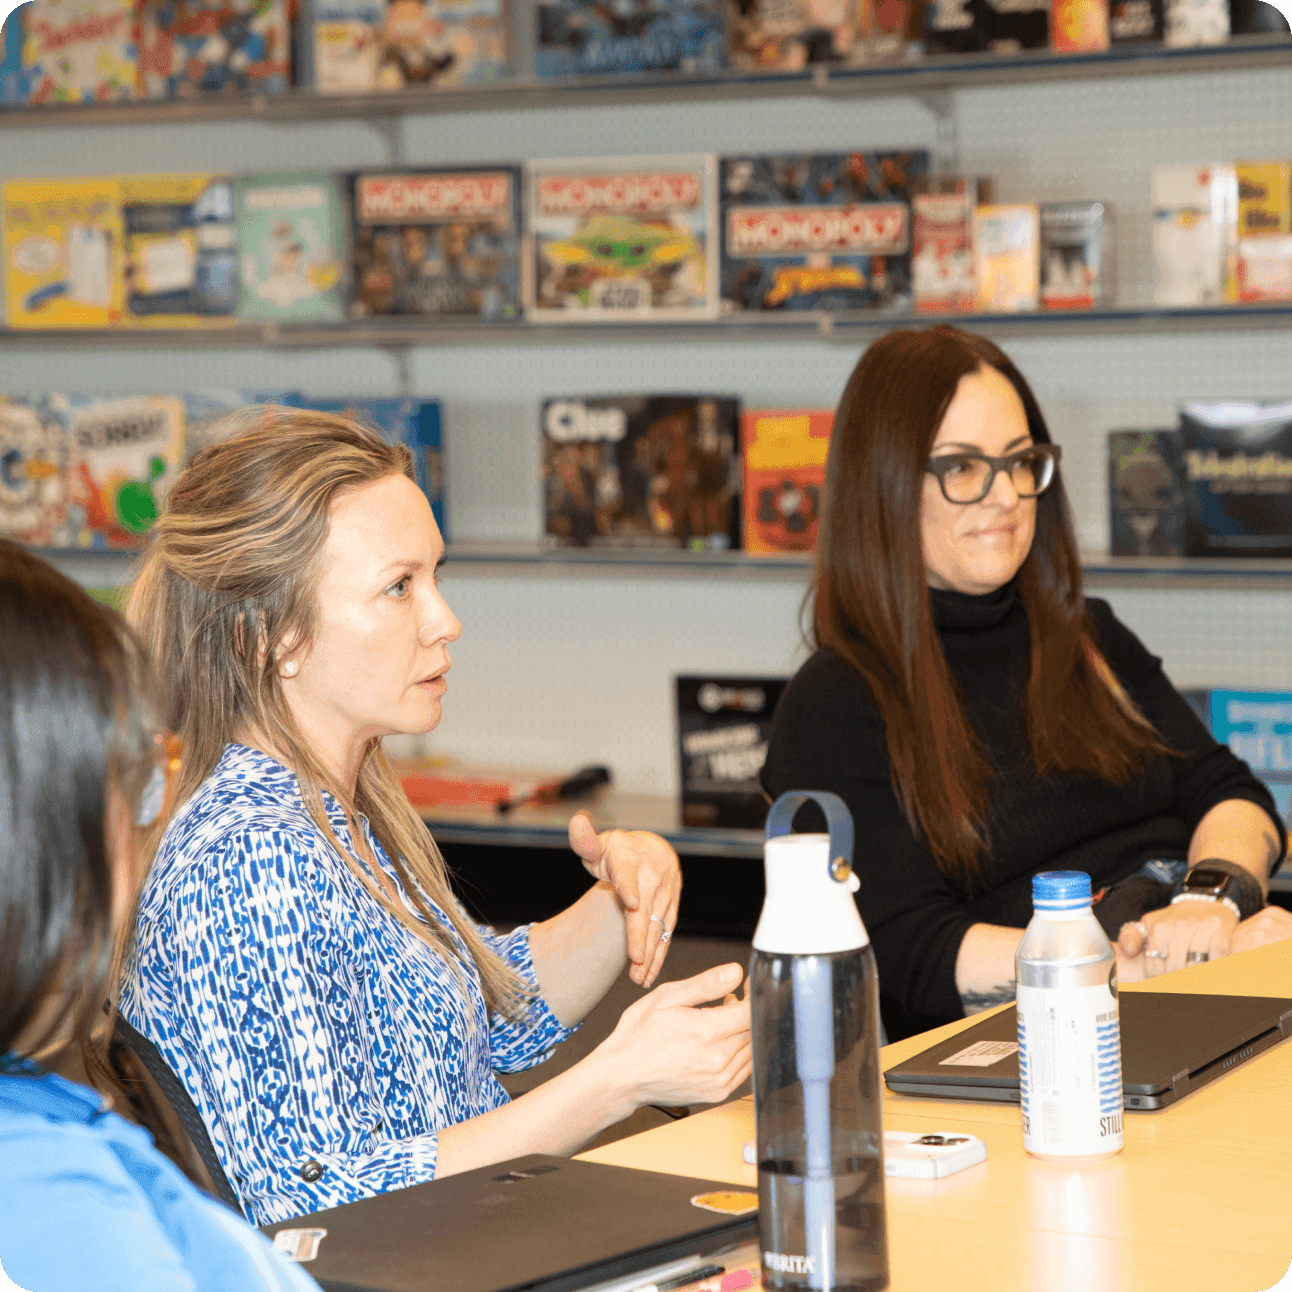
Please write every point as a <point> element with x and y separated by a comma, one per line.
<point>807,911</point>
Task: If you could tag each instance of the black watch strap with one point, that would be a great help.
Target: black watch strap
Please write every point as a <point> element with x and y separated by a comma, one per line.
<point>1245,890</point>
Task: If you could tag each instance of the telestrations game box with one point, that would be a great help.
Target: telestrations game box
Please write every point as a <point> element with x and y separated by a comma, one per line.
<point>641,471</point>
<point>784,452</point>
<point>622,237</point>
<point>437,242</point>
<point>818,231</point>
<point>591,38</point>
<point>723,726</point>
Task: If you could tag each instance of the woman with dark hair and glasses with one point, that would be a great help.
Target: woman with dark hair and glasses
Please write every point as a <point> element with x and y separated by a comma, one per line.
<point>87,1200</point>
<point>982,718</point>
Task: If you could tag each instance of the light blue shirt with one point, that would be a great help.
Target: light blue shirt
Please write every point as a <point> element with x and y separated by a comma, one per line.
<point>87,1202</point>
<point>307,1024</point>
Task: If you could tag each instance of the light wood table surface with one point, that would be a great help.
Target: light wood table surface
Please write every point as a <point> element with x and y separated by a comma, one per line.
<point>1200,1198</point>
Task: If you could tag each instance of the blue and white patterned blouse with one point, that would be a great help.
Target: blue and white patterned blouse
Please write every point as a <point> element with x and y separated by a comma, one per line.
<point>305,1021</point>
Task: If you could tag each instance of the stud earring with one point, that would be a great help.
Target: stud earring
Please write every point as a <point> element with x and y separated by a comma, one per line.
<point>289,669</point>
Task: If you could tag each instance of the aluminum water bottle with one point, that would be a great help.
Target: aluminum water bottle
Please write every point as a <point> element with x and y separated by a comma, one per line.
<point>1069,1037</point>
<point>814,998</point>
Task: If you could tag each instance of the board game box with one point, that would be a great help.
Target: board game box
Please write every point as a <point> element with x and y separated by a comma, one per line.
<point>123,456</point>
<point>1076,265</point>
<point>1257,727</point>
<point>292,247</point>
<point>33,476</point>
<point>955,26</point>
<point>886,29</point>
<point>1262,268</point>
<point>641,471</point>
<point>212,415</point>
<point>593,38</point>
<point>1195,227</point>
<point>1136,22</point>
<point>818,231</point>
<point>784,452</point>
<point>437,242</point>
<point>1007,239</point>
<point>73,51</point>
<point>15,81</point>
<point>416,424</point>
<point>1014,25</point>
<point>190,48</point>
<point>786,35</point>
<point>1080,25</point>
<point>1146,489</point>
<point>1238,465</point>
<point>1197,22</point>
<point>181,250</point>
<point>723,726</point>
<point>365,45</point>
<point>943,265</point>
<point>622,237</point>
<point>62,248</point>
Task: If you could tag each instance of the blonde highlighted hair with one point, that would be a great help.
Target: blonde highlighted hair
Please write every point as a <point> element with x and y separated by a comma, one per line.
<point>229,577</point>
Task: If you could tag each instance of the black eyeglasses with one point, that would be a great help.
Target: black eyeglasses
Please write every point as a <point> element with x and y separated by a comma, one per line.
<point>968,477</point>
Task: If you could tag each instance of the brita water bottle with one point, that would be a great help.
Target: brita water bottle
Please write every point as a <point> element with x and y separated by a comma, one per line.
<point>815,1004</point>
<point>1069,1037</point>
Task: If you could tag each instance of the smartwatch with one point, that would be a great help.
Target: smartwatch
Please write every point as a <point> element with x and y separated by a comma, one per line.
<point>1210,881</point>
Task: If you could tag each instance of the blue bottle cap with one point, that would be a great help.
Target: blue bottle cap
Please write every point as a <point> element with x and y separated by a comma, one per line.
<point>1060,890</point>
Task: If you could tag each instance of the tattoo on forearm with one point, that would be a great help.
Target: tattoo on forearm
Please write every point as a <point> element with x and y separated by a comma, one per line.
<point>975,1002</point>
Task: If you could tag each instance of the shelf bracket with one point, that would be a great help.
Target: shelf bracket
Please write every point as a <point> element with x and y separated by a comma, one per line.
<point>390,130</point>
<point>402,357</point>
<point>941,103</point>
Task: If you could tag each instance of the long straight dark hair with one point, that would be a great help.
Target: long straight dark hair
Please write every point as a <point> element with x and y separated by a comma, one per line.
<point>76,722</point>
<point>872,602</point>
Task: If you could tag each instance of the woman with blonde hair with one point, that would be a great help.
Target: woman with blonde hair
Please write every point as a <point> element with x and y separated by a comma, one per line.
<point>983,717</point>
<point>301,961</point>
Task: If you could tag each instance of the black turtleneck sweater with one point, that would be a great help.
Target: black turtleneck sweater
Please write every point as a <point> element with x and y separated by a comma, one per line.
<point>828,735</point>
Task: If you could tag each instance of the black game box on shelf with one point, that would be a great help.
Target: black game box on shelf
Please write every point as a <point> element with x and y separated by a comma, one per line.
<point>1146,489</point>
<point>1238,466</point>
<point>630,471</point>
<point>723,726</point>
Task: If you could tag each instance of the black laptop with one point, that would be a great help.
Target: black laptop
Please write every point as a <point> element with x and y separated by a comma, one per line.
<point>1171,1044</point>
<point>543,1223</point>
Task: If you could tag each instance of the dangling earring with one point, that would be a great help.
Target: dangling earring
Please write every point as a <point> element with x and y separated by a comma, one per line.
<point>289,669</point>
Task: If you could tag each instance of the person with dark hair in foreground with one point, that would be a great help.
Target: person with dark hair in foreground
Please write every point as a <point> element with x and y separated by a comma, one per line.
<point>88,1201</point>
<point>986,721</point>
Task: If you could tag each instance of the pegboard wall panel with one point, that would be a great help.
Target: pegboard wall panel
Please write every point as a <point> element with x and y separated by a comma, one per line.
<point>555,671</point>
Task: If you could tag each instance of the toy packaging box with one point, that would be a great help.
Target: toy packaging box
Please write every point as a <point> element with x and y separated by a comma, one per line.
<point>943,266</point>
<point>62,246</point>
<point>886,29</point>
<point>723,726</point>
<point>1257,727</point>
<point>784,453</point>
<point>1197,22</point>
<point>1136,22</point>
<point>630,237</point>
<point>1076,267</point>
<point>818,231</point>
<point>123,457</point>
<point>1013,25</point>
<point>437,242</point>
<point>416,424</point>
<point>1007,239</point>
<point>1146,489</point>
<point>1263,264</point>
<point>955,26</point>
<point>1238,467</point>
<point>1079,25</point>
<point>366,45</point>
<point>787,35</point>
<point>594,38</point>
<point>641,471</point>
<point>190,48</point>
<point>181,250</point>
<point>1195,227</point>
<point>33,476</point>
<point>71,51</point>
<point>292,247</point>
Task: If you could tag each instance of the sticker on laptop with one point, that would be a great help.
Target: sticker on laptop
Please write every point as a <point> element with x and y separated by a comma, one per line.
<point>981,1054</point>
<point>299,1244</point>
<point>731,1203</point>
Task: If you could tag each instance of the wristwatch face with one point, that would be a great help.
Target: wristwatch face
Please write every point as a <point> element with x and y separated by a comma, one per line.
<point>1204,880</point>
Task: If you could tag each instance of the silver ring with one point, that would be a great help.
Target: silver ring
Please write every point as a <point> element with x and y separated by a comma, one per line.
<point>1156,955</point>
<point>667,932</point>
<point>664,937</point>
<point>1197,957</point>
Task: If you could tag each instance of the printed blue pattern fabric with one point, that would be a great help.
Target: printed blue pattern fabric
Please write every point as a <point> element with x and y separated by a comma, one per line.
<point>306,1022</point>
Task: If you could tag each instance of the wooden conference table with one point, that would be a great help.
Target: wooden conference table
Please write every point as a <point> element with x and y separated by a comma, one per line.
<point>1200,1198</point>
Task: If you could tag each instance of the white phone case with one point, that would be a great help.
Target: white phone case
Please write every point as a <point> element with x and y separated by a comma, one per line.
<point>920,1156</point>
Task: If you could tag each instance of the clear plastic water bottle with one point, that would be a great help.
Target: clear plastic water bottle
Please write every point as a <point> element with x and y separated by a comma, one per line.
<point>814,998</point>
<point>1069,1035</point>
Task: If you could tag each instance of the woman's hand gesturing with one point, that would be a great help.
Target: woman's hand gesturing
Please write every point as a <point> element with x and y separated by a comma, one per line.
<point>643,870</point>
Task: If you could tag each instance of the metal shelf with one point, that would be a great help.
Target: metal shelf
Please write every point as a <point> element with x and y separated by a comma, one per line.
<point>913,76</point>
<point>844,326</point>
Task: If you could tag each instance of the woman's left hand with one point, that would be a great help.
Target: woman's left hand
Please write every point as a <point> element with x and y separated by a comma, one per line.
<point>643,870</point>
<point>1201,930</point>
